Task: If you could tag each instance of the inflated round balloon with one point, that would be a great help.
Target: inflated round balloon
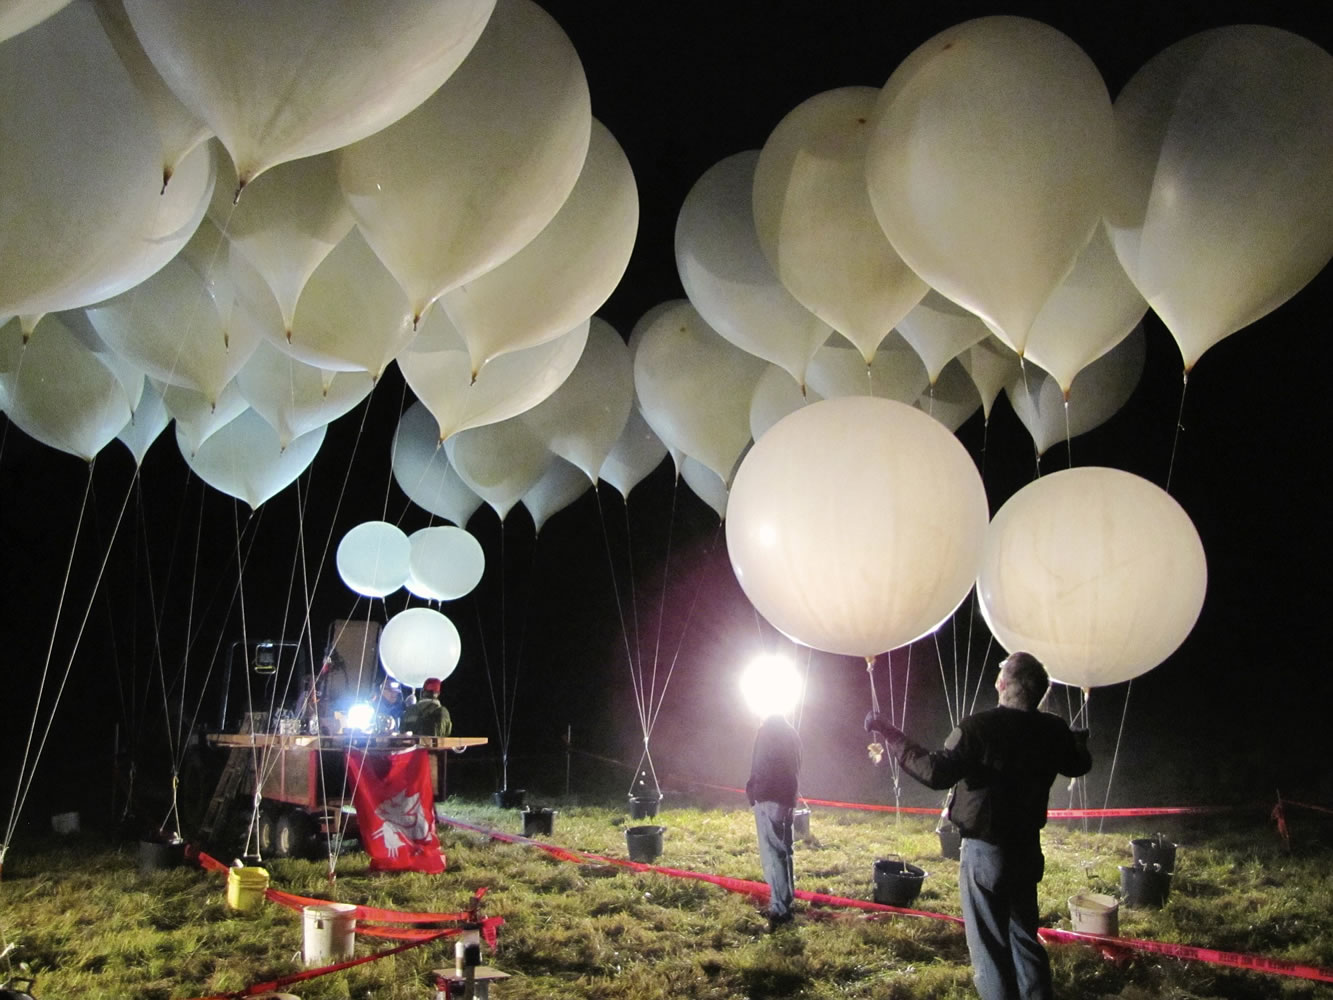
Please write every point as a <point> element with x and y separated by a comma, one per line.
<point>988,163</point>
<point>559,486</point>
<point>1096,572</point>
<point>373,558</point>
<point>855,524</point>
<point>445,563</point>
<point>636,453</point>
<point>276,82</point>
<point>418,644</point>
<point>1222,193</point>
<point>422,471</point>
<point>243,458</point>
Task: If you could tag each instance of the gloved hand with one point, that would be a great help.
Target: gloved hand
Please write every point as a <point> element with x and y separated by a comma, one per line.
<point>887,733</point>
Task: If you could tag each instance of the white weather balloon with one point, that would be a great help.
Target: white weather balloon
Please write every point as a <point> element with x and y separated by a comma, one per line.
<point>17,16</point>
<point>694,387</point>
<point>988,162</point>
<point>1052,415</point>
<point>373,558</point>
<point>583,418</point>
<point>294,397</point>
<point>1222,196</point>
<point>559,486</point>
<point>289,220</point>
<point>992,366</point>
<point>444,563</point>
<point>438,371</point>
<point>636,453</point>
<point>149,419</point>
<point>180,131</point>
<point>729,280</point>
<point>952,399</point>
<point>1094,308</point>
<point>197,417</point>
<point>565,273</point>
<point>181,326</point>
<point>477,171</point>
<point>244,459</point>
<point>940,330</point>
<point>895,371</point>
<point>276,82</point>
<point>58,391</point>
<point>1098,573</point>
<point>81,167</point>
<point>855,525</point>
<point>418,644</point>
<point>815,223</point>
<point>422,470</point>
<point>776,395</point>
<point>499,461</point>
<point>352,315</point>
<point>705,484</point>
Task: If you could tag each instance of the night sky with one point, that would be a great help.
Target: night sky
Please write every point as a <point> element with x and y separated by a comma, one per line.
<point>1236,713</point>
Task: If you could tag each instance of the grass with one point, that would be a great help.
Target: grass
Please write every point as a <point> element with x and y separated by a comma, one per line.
<point>87,923</point>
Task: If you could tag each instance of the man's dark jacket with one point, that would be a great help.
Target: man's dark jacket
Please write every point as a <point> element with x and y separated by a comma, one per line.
<point>776,764</point>
<point>1002,763</point>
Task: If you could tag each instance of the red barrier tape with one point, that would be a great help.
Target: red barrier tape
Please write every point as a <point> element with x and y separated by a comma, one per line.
<point>1236,960</point>
<point>412,936</point>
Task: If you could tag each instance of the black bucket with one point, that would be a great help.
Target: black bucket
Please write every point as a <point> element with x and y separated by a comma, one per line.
<point>643,806</point>
<point>896,882</point>
<point>800,824</point>
<point>644,843</point>
<point>538,821</point>
<point>1144,887</point>
<point>510,798</point>
<point>1158,851</point>
<point>157,855</point>
<point>951,841</point>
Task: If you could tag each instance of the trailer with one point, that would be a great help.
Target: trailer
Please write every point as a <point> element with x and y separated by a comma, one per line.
<point>304,795</point>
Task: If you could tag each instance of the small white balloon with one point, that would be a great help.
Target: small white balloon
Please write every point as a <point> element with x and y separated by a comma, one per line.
<point>418,644</point>
<point>373,558</point>
<point>444,563</point>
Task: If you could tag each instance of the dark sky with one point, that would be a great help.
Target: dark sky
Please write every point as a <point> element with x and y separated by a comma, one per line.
<point>682,85</point>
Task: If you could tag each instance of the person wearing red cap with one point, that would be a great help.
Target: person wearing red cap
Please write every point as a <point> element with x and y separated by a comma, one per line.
<point>428,717</point>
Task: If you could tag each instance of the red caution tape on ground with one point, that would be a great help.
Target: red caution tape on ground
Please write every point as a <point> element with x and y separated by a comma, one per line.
<point>1254,963</point>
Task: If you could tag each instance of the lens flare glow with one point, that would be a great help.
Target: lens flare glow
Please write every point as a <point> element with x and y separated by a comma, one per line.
<point>771,685</point>
<point>361,716</point>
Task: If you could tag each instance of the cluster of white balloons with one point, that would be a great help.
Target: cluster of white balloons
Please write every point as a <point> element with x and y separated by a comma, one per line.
<point>438,563</point>
<point>237,216</point>
<point>858,525</point>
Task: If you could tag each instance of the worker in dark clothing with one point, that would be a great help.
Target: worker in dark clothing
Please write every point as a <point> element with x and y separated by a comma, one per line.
<point>771,789</point>
<point>428,717</point>
<point>1001,764</point>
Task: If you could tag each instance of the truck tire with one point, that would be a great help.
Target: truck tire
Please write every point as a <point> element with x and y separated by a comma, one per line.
<point>295,835</point>
<point>268,833</point>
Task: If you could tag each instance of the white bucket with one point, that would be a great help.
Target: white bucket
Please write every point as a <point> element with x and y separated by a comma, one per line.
<point>330,933</point>
<point>1095,913</point>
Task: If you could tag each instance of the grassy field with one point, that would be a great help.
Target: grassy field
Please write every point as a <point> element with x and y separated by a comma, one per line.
<point>89,925</point>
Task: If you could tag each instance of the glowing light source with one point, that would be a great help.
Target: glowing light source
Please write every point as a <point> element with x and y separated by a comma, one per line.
<point>361,716</point>
<point>771,685</point>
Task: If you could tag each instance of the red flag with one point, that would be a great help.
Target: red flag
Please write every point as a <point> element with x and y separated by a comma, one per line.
<point>395,810</point>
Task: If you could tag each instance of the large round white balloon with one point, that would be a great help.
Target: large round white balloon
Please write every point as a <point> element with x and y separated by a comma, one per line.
<point>1096,572</point>
<point>445,563</point>
<point>855,524</point>
<point>373,558</point>
<point>418,644</point>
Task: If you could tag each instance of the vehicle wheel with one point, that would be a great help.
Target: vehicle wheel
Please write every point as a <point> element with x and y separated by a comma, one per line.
<point>295,835</point>
<point>268,834</point>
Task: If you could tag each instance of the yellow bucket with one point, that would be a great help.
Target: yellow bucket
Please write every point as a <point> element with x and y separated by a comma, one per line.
<point>245,887</point>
